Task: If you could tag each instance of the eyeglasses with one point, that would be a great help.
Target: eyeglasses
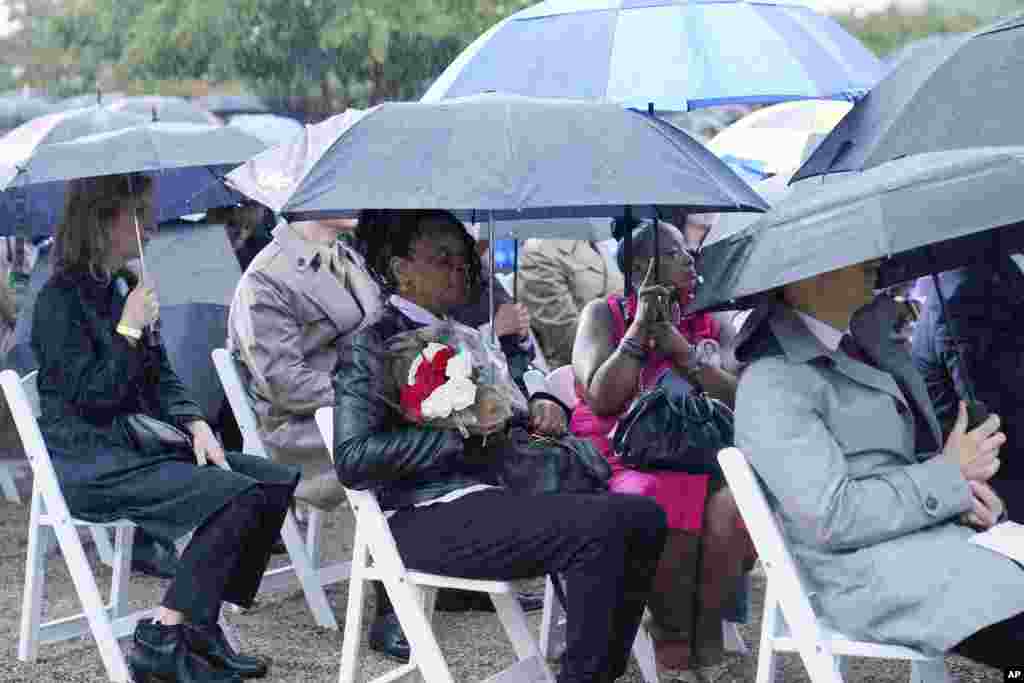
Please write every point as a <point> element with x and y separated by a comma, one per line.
<point>444,259</point>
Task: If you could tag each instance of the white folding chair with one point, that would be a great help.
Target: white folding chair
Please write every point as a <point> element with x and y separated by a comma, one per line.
<point>562,384</point>
<point>375,557</point>
<point>49,518</point>
<point>304,554</point>
<point>789,623</point>
<point>7,486</point>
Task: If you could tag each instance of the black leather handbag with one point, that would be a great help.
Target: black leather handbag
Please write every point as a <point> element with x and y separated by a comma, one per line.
<point>674,426</point>
<point>152,436</point>
<point>538,464</point>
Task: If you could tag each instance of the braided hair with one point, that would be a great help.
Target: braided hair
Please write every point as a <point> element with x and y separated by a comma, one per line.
<point>385,233</point>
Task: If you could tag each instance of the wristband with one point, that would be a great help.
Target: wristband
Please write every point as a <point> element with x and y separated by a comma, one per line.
<point>633,349</point>
<point>130,332</point>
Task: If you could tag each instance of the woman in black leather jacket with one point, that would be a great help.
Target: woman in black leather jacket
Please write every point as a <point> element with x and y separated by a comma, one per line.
<point>447,518</point>
<point>97,368</point>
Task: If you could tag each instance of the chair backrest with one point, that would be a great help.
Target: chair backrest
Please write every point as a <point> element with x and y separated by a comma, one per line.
<point>562,383</point>
<point>241,403</point>
<point>370,518</point>
<point>779,564</point>
<point>22,398</point>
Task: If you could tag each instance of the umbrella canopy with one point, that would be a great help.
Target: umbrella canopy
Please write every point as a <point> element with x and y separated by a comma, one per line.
<point>677,54</point>
<point>185,157</point>
<point>160,108</point>
<point>62,126</point>
<point>779,136</point>
<point>513,157</point>
<point>88,100</point>
<point>962,92</point>
<point>16,110</point>
<point>921,214</point>
<point>270,128</point>
<point>226,105</point>
<point>149,147</point>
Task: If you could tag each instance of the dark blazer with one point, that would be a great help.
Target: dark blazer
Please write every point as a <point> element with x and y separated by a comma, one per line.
<point>89,378</point>
<point>984,305</point>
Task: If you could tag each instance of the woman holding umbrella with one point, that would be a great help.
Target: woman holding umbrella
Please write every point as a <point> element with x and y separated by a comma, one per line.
<point>98,373</point>
<point>839,428</point>
<point>624,346</point>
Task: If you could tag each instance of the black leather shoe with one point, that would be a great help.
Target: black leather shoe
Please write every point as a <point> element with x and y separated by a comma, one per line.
<point>208,641</point>
<point>386,637</point>
<point>153,558</point>
<point>161,655</point>
<point>452,600</point>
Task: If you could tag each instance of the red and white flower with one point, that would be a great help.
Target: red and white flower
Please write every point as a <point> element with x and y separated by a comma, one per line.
<point>439,383</point>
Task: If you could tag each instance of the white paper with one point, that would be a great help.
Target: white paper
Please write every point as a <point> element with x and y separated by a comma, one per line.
<point>1005,538</point>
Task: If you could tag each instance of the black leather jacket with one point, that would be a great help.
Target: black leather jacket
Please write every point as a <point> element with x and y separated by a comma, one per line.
<point>374,447</point>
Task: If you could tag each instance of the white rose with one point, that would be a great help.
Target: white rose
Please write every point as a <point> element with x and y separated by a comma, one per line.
<point>460,366</point>
<point>452,396</point>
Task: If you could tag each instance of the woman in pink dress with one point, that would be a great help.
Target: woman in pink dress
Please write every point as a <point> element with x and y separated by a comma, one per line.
<point>622,347</point>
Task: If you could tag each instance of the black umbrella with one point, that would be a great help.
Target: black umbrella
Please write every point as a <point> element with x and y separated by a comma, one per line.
<point>965,91</point>
<point>920,215</point>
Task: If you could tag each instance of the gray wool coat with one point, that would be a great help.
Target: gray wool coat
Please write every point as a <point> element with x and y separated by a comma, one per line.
<point>871,520</point>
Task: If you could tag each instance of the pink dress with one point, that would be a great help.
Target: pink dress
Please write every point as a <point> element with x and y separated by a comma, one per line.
<point>681,495</point>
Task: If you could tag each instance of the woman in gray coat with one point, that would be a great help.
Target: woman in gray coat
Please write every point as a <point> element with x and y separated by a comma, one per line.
<point>96,368</point>
<point>877,510</point>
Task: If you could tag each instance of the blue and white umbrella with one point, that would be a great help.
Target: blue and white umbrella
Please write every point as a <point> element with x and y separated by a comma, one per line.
<point>678,55</point>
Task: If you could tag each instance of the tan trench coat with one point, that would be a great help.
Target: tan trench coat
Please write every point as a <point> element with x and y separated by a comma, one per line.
<point>556,279</point>
<point>287,319</point>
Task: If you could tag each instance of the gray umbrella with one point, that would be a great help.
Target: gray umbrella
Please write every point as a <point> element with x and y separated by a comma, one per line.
<point>508,156</point>
<point>149,147</point>
<point>196,272</point>
<point>966,91</point>
<point>921,214</point>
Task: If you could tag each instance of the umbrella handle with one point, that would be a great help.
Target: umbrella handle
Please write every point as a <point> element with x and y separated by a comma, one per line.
<point>515,271</point>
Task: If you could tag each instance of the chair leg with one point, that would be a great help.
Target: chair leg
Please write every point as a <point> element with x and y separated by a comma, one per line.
<point>39,539</point>
<point>307,575</point>
<point>314,527</point>
<point>643,652</point>
<point>426,654</point>
<point>125,536</point>
<point>354,611</point>
<point>551,620</point>
<point>930,671</point>
<point>10,490</point>
<point>103,545</point>
<point>517,629</point>
<point>732,639</point>
<point>770,622</point>
<point>92,602</point>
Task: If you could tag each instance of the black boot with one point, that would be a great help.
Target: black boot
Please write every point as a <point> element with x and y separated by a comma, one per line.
<point>208,641</point>
<point>386,637</point>
<point>161,655</point>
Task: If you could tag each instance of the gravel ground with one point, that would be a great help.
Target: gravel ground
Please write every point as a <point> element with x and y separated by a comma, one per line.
<point>280,626</point>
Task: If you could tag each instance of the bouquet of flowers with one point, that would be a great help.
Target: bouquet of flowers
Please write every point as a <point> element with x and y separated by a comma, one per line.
<point>447,376</point>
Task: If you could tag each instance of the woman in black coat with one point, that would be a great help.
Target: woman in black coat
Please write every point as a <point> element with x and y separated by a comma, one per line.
<point>96,368</point>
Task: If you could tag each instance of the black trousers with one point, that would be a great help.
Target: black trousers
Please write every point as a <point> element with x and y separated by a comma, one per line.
<point>228,554</point>
<point>606,546</point>
<point>1000,645</point>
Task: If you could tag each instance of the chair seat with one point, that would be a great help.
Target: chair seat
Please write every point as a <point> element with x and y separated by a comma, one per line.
<point>841,644</point>
<point>439,581</point>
